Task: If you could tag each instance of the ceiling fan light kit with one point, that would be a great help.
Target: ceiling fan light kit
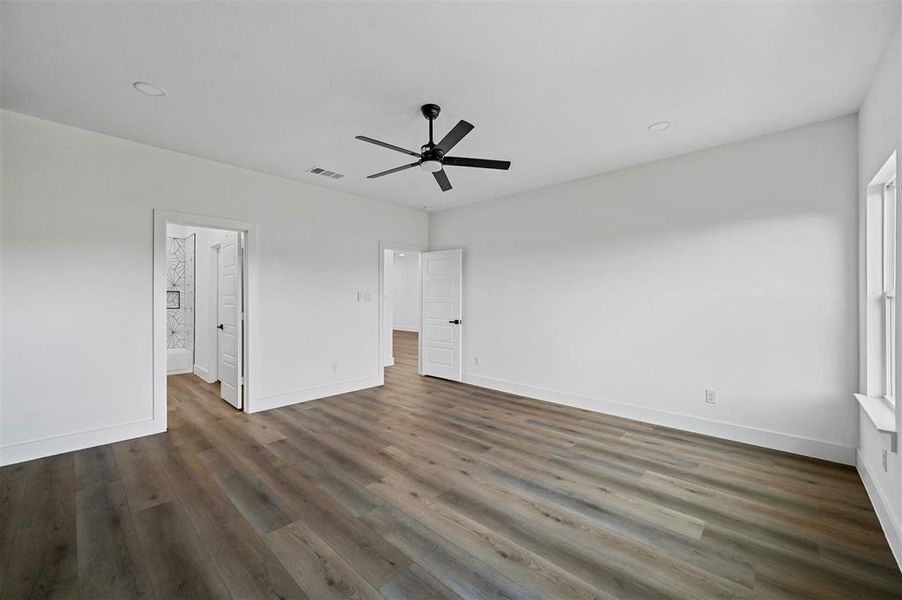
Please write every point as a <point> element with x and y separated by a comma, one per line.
<point>433,157</point>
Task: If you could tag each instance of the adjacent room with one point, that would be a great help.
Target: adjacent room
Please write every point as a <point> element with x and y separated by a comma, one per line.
<point>204,310</point>
<point>413,300</point>
<point>401,301</point>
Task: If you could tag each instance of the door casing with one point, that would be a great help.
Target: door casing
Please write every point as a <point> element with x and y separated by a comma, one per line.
<point>161,218</point>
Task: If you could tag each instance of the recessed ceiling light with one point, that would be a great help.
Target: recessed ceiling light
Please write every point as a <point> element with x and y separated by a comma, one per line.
<point>659,126</point>
<point>148,89</point>
<point>401,254</point>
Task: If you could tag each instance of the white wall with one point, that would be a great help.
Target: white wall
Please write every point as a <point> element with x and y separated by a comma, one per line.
<point>406,291</point>
<point>879,136</point>
<point>896,508</point>
<point>733,268</point>
<point>204,313</point>
<point>76,304</point>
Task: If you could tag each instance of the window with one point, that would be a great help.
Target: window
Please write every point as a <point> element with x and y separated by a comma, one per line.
<point>889,289</point>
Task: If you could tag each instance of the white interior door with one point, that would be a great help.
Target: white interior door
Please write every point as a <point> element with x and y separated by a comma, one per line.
<point>230,323</point>
<point>441,313</point>
<point>388,314</point>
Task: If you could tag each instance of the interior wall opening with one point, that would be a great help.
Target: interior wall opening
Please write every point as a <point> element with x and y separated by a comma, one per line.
<point>400,305</point>
<point>205,325</point>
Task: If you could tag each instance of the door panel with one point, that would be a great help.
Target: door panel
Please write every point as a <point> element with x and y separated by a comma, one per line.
<point>441,333</point>
<point>388,308</point>
<point>442,293</point>
<point>230,324</point>
<point>441,356</point>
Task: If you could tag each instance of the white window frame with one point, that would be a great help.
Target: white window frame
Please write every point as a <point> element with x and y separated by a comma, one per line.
<point>889,255</point>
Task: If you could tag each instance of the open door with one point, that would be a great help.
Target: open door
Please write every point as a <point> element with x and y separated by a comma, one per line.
<point>440,333</point>
<point>230,325</point>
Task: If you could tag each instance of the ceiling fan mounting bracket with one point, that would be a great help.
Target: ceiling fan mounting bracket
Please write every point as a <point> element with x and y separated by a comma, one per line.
<point>431,111</point>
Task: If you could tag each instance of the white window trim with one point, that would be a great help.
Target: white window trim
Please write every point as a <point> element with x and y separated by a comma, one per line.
<point>872,298</point>
<point>889,291</point>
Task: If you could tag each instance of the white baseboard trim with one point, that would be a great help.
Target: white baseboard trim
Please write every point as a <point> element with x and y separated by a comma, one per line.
<point>16,453</point>
<point>407,329</point>
<point>882,507</point>
<point>179,372</point>
<point>737,433</point>
<point>314,393</point>
<point>203,373</point>
<point>390,362</point>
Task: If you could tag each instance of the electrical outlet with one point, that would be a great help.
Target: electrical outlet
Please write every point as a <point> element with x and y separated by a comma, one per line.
<point>335,367</point>
<point>884,459</point>
<point>477,361</point>
<point>711,397</point>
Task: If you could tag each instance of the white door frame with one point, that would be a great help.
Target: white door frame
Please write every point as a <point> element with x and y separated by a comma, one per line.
<point>161,218</point>
<point>400,247</point>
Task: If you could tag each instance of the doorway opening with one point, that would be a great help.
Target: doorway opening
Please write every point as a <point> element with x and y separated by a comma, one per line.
<point>204,307</point>
<point>201,273</point>
<point>400,305</point>
<point>420,305</point>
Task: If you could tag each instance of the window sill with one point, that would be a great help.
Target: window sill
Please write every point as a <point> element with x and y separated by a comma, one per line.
<point>881,414</point>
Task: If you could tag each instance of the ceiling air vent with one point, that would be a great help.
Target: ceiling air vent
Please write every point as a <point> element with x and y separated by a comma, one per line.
<point>325,173</point>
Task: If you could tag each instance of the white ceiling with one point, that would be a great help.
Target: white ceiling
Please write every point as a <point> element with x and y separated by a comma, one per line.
<point>562,90</point>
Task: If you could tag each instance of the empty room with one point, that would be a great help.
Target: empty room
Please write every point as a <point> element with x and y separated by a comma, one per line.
<point>420,300</point>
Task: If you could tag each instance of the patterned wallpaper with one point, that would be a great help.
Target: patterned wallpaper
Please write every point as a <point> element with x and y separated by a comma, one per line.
<point>180,292</point>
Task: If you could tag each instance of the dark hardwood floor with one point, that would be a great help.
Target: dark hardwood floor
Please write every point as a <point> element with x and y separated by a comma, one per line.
<point>430,489</point>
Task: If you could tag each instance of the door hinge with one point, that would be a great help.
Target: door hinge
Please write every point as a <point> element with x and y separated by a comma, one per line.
<point>241,380</point>
<point>242,316</point>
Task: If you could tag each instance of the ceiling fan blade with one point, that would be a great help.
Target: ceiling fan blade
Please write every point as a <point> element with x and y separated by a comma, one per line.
<point>455,135</point>
<point>390,171</point>
<point>482,163</point>
<point>442,180</point>
<point>363,138</point>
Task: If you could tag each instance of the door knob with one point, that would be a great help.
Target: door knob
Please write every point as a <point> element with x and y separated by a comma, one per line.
<point>219,326</point>
<point>455,322</point>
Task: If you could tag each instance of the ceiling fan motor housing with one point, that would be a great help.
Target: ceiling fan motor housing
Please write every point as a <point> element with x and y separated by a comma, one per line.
<point>431,152</point>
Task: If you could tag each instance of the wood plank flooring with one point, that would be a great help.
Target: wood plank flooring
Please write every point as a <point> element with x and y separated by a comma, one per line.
<point>431,489</point>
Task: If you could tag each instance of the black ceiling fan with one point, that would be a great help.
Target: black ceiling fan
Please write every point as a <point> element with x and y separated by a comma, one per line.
<point>433,157</point>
